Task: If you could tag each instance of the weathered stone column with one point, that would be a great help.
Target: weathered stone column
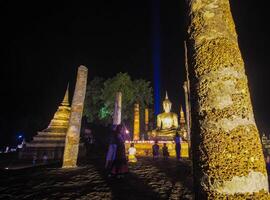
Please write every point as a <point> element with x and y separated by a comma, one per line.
<point>136,127</point>
<point>117,109</point>
<point>146,119</point>
<point>73,132</point>
<point>228,157</point>
<point>187,103</point>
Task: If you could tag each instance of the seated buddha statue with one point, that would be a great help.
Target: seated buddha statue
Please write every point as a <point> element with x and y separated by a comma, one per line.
<point>167,122</point>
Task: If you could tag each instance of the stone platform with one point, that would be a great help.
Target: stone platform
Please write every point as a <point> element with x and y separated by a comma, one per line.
<point>44,142</point>
<point>52,144</point>
<point>144,148</point>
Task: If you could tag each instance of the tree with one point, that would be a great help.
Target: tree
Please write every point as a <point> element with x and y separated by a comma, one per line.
<point>142,89</point>
<point>227,152</point>
<point>142,93</point>
<point>101,96</point>
<point>120,83</point>
<point>93,103</point>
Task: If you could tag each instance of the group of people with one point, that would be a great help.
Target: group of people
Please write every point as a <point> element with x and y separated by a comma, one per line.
<point>155,151</point>
<point>116,159</point>
<point>165,152</point>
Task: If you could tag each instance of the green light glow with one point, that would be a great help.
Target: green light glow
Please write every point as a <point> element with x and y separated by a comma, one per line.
<point>104,112</point>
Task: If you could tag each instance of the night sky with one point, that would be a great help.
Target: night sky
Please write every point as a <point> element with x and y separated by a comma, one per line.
<point>43,44</point>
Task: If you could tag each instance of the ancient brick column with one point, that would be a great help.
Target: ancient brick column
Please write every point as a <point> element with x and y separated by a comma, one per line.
<point>117,109</point>
<point>73,132</point>
<point>136,127</point>
<point>228,156</point>
<point>146,119</point>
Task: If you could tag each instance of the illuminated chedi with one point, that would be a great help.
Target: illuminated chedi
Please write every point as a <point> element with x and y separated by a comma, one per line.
<point>182,124</point>
<point>59,123</point>
<point>182,118</point>
<point>51,140</point>
<point>227,152</point>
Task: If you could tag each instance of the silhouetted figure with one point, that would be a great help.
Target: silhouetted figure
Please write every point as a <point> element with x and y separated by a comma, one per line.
<point>165,152</point>
<point>119,165</point>
<point>34,161</point>
<point>155,150</point>
<point>177,140</point>
<point>268,168</point>
<point>111,153</point>
<point>268,163</point>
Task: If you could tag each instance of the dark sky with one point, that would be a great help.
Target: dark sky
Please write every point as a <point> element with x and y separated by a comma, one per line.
<point>43,44</point>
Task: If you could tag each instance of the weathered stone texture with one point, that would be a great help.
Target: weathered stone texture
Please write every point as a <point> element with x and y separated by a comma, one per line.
<point>146,119</point>
<point>187,105</point>
<point>229,156</point>
<point>117,109</point>
<point>73,133</point>
<point>136,126</point>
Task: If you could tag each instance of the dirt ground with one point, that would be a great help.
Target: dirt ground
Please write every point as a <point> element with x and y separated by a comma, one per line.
<point>147,179</point>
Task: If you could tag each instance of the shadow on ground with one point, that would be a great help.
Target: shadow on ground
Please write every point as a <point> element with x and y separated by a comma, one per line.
<point>147,179</point>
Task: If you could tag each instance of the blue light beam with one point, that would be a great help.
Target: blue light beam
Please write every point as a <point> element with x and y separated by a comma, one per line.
<point>156,53</point>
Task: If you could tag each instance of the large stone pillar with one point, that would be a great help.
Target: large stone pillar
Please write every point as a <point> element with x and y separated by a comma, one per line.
<point>146,120</point>
<point>73,132</point>
<point>187,105</point>
<point>228,157</point>
<point>146,123</point>
<point>136,127</point>
<point>117,109</point>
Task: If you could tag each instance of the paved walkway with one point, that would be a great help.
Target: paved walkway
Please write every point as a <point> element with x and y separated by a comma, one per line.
<point>147,179</point>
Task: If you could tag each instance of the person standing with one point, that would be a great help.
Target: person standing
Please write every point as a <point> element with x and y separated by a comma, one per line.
<point>177,140</point>
<point>155,150</point>
<point>268,163</point>
<point>268,168</point>
<point>165,152</point>
<point>131,153</point>
<point>34,161</point>
<point>111,153</point>
<point>119,165</point>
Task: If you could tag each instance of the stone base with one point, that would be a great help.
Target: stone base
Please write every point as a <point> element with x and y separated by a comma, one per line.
<point>52,144</point>
<point>53,153</point>
<point>144,148</point>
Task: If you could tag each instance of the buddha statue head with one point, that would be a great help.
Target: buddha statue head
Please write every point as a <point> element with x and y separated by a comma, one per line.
<point>167,104</point>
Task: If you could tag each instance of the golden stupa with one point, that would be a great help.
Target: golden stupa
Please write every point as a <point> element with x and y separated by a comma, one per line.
<point>59,123</point>
<point>182,125</point>
<point>50,141</point>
